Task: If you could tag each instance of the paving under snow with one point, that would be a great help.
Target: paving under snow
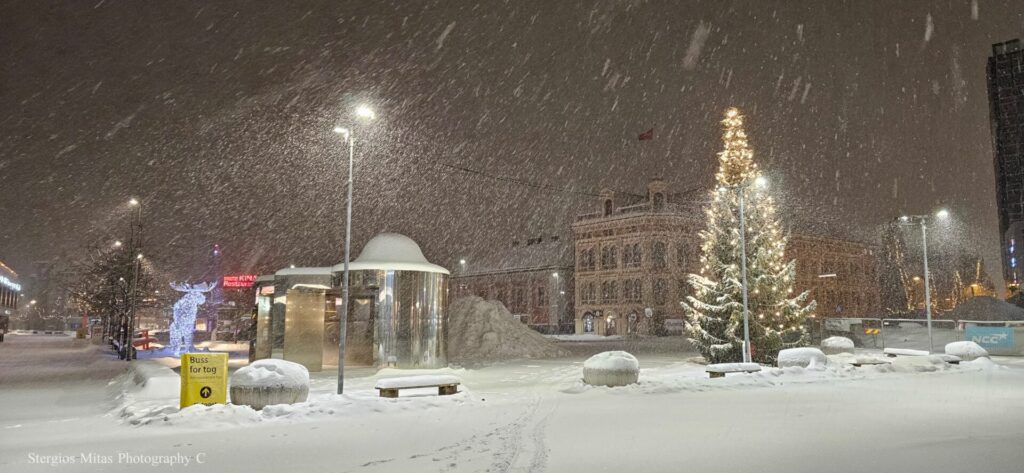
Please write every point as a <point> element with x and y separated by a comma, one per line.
<point>538,416</point>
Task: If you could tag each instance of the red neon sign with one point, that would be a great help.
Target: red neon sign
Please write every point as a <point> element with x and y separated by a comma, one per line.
<point>238,281</point>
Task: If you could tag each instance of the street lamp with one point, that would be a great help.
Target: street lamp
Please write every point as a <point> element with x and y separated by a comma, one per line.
<point>347,134</point>
<point>923,220</point>
<point>759,182</point>
<point>117,243</point>
<point>136,269</point>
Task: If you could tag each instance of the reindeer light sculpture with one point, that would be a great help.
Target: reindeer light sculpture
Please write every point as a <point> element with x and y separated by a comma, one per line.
<point>183,326</point>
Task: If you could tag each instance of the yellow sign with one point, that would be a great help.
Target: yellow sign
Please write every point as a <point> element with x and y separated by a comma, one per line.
<point>871,331</point>
<point>204,378</point>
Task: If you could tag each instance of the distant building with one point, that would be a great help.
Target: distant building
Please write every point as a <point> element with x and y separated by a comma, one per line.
<point>1006,111</point>
<point>533,278</point>
<point>10,290</point>
<point>634,254</point>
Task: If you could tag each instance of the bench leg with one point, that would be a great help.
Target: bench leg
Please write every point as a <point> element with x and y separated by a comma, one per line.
<point>388,393</point>
<point>717,375</point>
<point>447,390</point>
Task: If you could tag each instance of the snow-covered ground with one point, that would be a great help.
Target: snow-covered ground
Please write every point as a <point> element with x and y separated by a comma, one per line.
<point>527,416</point>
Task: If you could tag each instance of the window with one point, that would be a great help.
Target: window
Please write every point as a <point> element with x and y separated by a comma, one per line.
<point>609,257</point>
<point>609,292</point>
<point>542,297</point>
<point>607,207</point>
<point>659,201</point>
<point>632,290</point>
<point>518,299</point>
<point>684,289</point>
<point>631,256</point>
<point>588,295</point>
<point>587,261</point>
<point>658,255</point>
<point>682,255</point>
<point>660,295</point>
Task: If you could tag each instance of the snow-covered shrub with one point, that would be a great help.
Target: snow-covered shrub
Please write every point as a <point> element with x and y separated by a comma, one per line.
<point>804,357</point>
<point>611,368</point>
<point>268,382</point>
<point>836,345</point>
<point>966,350</point>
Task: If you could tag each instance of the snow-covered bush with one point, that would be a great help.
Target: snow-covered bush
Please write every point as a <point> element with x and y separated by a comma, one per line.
<point>611,368</point>
<point>836,345</point>
<point>268,382</point>
<point>804,357</point>
<point>966,350</point>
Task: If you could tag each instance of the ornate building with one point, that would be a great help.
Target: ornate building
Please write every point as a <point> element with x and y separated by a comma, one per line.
<point>634,254</point>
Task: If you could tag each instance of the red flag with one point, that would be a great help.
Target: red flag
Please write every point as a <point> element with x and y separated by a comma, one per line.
<point>647,135</point>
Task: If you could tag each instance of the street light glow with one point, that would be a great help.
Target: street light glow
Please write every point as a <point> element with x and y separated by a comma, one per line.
<point>139,256</point>
<point>117,243</point>
<point>133,201</point>
<point>462,261</point>
<point>365,111</point>
<point>904,218</point>
<point>761,182</point>
<point>942,213</point>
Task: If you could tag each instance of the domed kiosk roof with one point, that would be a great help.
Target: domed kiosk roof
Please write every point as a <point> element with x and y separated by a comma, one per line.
<point>391,251</point>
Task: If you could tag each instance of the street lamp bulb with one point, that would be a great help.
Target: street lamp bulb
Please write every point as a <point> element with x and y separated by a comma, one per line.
<point>341,131</point>
<point>291,266</point>
<point>133,201</point>
<point>462,261</point>
<point>761,182</point>
<point>904,218</point>
<point>139,256</point>
<point>32,302</point>
<point>366,112</point>
<point>554,274</point>
<point>117,243</point>
<point>942,213</point>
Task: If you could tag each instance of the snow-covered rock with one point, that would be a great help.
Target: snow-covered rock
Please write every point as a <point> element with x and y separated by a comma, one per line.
<point>268,382</point>
<point>836,345</point>
<point>611,368</point>
<point>804,357</point>
<point>966,350</point>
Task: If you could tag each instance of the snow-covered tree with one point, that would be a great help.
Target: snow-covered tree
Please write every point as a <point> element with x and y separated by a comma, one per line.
<point>715,311</point>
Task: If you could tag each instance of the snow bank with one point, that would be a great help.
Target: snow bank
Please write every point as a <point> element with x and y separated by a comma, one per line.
<point>966,350</point>
<point>611,368</point>
<point>834,345</point>
<point>150,380</point>
<point>804,357</point>
<point>732,367</point>
<point>481,332</point>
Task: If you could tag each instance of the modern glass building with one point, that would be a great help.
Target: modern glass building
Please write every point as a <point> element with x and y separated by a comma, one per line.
<point>1006,110</point>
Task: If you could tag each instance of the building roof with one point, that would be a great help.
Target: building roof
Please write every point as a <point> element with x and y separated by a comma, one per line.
<point>532,254</point>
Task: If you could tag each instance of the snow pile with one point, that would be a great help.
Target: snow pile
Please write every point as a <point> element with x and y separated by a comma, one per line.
<point>987,308</point>
<point>836,345</point>
<point>482,331</point>
<point>966,350</point>
<point>732,367</point>
<point>611,368</point>
<point>269,382</point>
<point>804,357</point>
<point>904,352</point>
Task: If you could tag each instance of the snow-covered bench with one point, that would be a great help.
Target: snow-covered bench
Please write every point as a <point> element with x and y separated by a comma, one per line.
<point>894,352</point>
<point>719,370</point>
<point>445,384</point>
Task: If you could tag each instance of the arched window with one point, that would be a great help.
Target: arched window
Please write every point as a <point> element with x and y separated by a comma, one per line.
<point>658,255</point>
<point>607,207</point>
<point>660,293</point>
<point>588,323</point>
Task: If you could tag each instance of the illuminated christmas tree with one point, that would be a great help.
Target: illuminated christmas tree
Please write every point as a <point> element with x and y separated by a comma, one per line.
<point>715,311</point>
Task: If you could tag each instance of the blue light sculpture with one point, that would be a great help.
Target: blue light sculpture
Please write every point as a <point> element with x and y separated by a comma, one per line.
<point>183,326</point>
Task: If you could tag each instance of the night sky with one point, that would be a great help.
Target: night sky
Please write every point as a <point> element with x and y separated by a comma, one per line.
<point>218,115</point>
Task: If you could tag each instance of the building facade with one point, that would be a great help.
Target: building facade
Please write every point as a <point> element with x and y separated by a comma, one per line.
<point>634,255</point>
<point>10,290</point>
<point>533,278</point>
<point>1005,75</point>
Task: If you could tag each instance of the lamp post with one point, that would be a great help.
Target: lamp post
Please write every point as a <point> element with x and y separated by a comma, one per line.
<point>760,182</point>
<point>922,221</point>
<point>347,134</point>
<point>136,263</point>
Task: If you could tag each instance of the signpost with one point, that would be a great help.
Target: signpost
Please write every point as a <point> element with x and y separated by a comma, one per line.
<point>990,337</point>
<point>204,379</point>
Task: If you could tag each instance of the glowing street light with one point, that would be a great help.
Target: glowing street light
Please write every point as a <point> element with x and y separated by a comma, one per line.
<point>366,113</point>
<point>117,243</point>
<point>923,220</point>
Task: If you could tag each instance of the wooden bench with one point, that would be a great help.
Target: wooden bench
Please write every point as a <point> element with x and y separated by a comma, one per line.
<point>719,370</point>
<point>869,362</point>
<point>445,384</point>
<point>951,359</point>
